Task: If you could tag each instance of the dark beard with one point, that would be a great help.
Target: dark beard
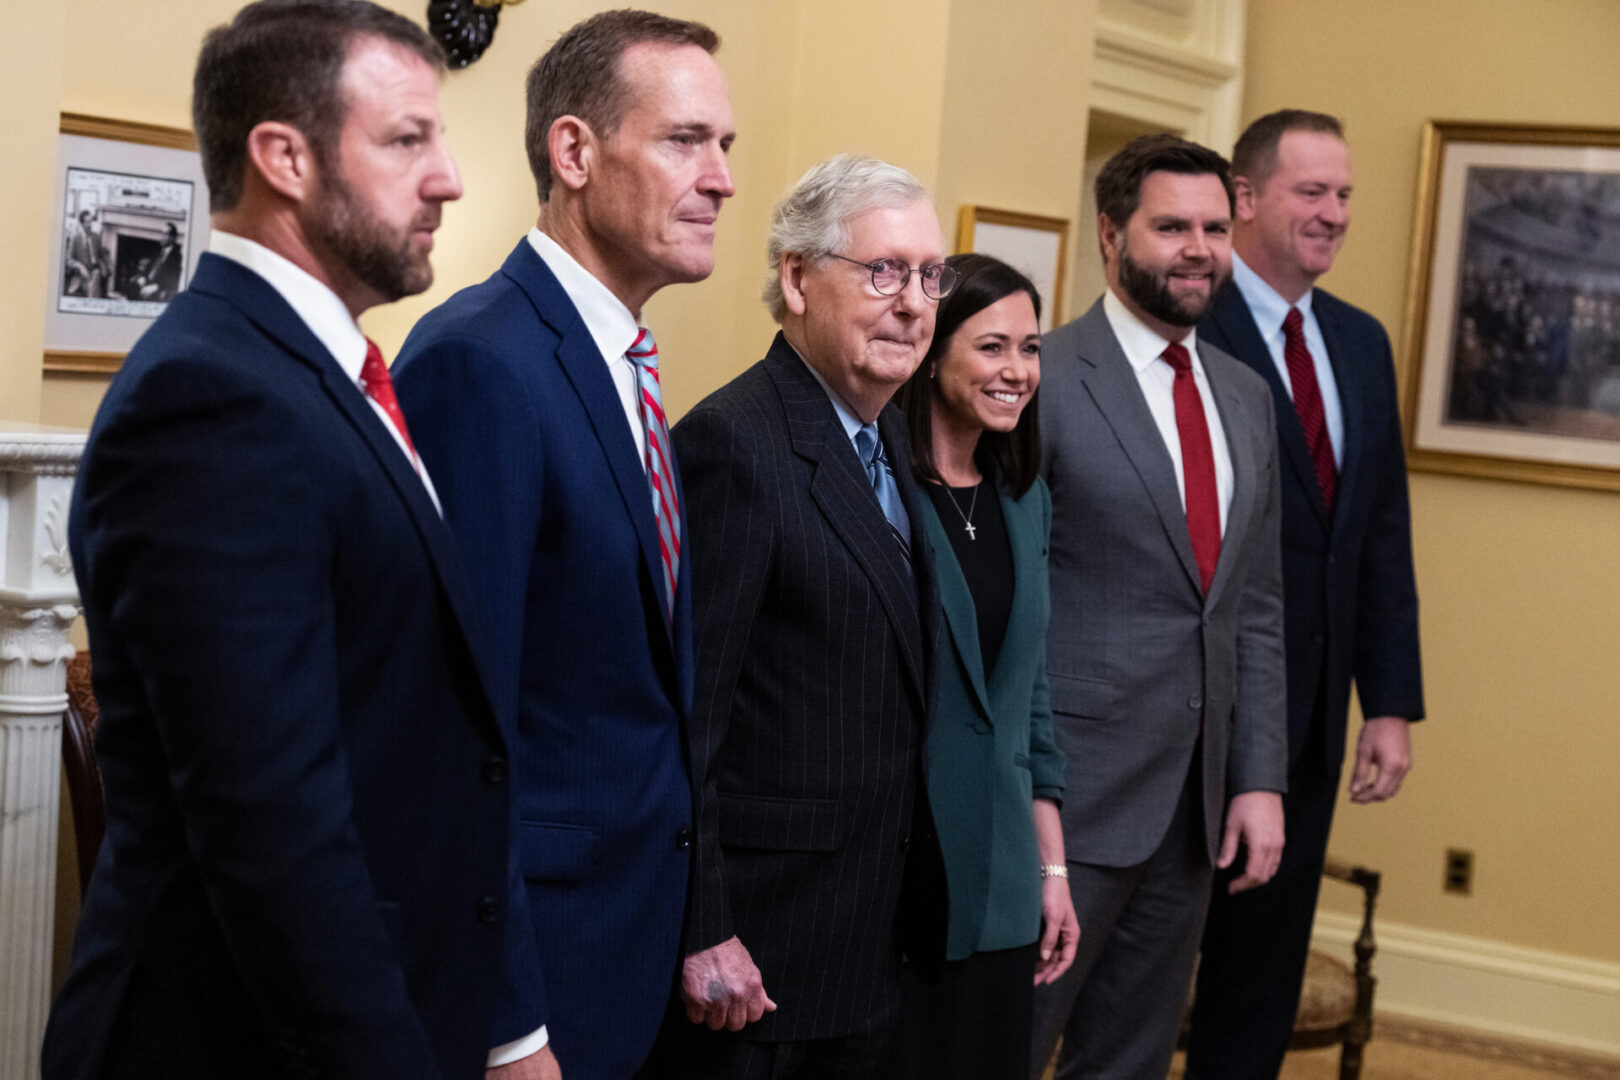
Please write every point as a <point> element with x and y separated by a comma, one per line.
<point>1151,292</point>
<point>379,256</point>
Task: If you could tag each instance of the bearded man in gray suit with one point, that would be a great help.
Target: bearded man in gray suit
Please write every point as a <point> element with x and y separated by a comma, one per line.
<point>1165,648</point>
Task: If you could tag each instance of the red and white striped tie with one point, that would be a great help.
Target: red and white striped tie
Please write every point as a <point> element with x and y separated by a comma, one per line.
<point>660,462</point>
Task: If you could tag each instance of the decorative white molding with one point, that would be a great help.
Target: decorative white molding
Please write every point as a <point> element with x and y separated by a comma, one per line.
<point>38,604</point>
<point>1187,79</point>
<point>1487,986</point>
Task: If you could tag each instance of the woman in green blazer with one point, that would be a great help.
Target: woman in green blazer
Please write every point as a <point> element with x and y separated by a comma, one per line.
<point>995,776</point>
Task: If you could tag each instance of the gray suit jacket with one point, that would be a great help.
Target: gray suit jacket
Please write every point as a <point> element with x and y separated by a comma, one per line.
<point>1138,658</point>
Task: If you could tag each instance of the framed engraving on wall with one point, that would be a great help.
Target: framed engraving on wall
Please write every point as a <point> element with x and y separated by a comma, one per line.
<point>1513,316</point>
<point>1036,246</point>
<point>131,220</point>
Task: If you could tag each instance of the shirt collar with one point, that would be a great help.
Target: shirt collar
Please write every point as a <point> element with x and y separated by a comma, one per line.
<point>314,303</point>
<point>609,322</point>
<point>1141,344</point>
<point>1265,303</point>
<point>846,415</point>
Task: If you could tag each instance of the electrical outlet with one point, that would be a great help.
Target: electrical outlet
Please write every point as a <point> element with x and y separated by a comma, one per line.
<point>1459,877</point>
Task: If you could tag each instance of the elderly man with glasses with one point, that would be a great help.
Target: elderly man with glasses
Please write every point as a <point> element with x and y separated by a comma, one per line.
<point>812,596</point>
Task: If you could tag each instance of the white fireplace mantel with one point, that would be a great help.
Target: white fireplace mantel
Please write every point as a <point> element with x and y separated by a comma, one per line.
<point>38,603</point>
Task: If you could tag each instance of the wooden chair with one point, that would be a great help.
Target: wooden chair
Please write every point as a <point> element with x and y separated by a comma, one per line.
<point>1336,1001</point>
<point>79,764</point>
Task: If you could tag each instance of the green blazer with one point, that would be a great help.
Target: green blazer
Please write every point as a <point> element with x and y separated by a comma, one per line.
<point>990,747</point>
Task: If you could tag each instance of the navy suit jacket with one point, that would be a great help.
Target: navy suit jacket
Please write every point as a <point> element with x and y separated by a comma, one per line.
<point>306,810</point>
<point>516,415</point>
<point>1349,595</point>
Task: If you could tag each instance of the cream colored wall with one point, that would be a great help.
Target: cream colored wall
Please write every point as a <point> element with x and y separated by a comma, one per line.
<point>28,82</point>
<point>1520,586</point>
<point>1014,124</point>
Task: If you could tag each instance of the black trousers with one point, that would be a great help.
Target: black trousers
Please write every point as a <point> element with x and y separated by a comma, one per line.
<point>972,1022</point>
<point>1255,943</point>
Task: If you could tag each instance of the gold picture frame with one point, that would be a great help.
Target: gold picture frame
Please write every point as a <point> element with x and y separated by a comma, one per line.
<point>1037,246</point>
<point>1513,309</point>
<point>132,211</point>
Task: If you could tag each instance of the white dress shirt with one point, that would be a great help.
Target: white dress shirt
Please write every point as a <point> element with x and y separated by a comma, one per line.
<point>609,322</point>
<point>326,317</point>
<point>1269,310</point>
<point>1144,348</point>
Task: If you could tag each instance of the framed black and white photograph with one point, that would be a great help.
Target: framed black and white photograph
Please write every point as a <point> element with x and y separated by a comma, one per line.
<point>133,215</point>
<point>1036,246</point>
<point>1514,315</point>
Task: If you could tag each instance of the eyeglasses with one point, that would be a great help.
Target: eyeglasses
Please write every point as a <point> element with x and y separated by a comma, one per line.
<point>890,276</point>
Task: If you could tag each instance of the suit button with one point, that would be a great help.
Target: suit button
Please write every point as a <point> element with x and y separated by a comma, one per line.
<point>1195,702</point>
<point>1318,637</point>
<point>905,842</point>
<point>683,839</point>
<point>494,771</point>
<point>489,911</point>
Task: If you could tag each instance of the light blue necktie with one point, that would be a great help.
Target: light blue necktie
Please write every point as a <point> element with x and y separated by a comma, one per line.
<point>878,471</point>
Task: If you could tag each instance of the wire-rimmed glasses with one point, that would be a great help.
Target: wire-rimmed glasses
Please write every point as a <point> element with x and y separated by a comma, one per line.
<point>890,276</point>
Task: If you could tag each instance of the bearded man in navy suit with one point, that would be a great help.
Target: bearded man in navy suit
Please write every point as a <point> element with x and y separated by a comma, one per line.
<point>306,798</point>
<point>1350,600</point>
<point>536,401</point>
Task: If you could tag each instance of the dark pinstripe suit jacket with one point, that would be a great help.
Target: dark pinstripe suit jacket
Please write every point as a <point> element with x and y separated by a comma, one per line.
<point>809,710</point>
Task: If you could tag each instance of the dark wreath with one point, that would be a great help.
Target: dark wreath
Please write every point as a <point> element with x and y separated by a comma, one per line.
<point>464,28</point>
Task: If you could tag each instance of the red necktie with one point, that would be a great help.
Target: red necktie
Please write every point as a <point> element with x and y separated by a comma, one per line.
<point>643,353</point>
<point>1308,404</point>
<point>380,388</point>
<point>1197,465</point>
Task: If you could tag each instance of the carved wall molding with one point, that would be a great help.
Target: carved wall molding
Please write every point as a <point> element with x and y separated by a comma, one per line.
<point>38,604</point>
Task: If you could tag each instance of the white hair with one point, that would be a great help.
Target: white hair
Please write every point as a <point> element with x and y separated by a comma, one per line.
<point>810,220</point>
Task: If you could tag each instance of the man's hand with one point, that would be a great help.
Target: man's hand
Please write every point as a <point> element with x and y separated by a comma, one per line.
<point>540,1065</point>
<point>722,987</point>
<point>1383,758</point>
<point>1060,930</point>
<point>1256,819</point>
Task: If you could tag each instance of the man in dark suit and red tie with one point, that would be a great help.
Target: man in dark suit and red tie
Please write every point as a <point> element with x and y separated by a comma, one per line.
<point>305,857</point>
<point>813,601</point>
<point>1164,657</point>
<point>534,397</point>
<point>1348,583</point>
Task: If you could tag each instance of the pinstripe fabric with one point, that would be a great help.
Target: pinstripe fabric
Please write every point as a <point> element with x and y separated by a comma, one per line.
<point>808,715</point>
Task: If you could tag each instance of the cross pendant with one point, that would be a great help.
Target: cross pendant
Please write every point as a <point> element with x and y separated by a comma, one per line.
<point>971,531</point>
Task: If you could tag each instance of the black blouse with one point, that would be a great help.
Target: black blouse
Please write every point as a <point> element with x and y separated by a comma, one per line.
<point>985,556</point>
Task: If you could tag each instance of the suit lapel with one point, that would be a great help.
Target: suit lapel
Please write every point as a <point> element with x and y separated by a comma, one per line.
<point>1112,384</point>
<point>841,491</point>
<point>1245,472</point>
<point>1351,405</point>
<point>956,601</point>
<point>1237,323</point>
<point>587,372</point>
<point>266,309</point>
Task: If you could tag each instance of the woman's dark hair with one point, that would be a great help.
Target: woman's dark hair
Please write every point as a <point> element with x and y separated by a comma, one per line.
<point>1014,456</point>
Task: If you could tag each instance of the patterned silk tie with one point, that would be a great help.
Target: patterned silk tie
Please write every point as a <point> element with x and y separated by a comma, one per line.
<point>1308,404</point>
<point>380,388</point>
<point>1197,465</point>
<point>881,474</point>
<point>660,462</point>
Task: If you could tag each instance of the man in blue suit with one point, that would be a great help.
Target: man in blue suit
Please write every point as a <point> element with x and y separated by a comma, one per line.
<point>535,400</point>
<point>1350,601</point>
<point>306,797</point>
